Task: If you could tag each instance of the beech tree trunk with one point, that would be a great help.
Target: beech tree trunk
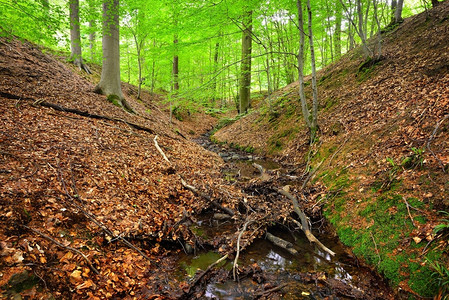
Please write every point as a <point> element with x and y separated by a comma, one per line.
<point>245,69</point>
<point>314,121</point>
<point>302,96</point>
<point>337,34</point>
<point>175,67</point>
<point>75,35</point>
<point>398,11</point>
<point>110,73</point>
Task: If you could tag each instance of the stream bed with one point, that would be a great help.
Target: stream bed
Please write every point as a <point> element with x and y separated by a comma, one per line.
<point>311,274</point>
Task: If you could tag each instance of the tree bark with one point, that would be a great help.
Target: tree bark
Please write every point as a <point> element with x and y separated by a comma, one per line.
<point>314,123</point>
<point>398,12</point>
<point>245,68</point>
<point>302,96</point>
<point>75,35</point>
<point>337,34</point>
<point>110,73</point>
<point>175,67</point>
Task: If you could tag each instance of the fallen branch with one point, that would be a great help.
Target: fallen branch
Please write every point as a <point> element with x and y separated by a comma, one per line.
<point>207,197</point>
<point>272,290</point>
<point>432,136</point>
<point>191,187</point>
<point>235,265</point>
<point>160,150</point>
<point>304,223</point>
<point>89,263</point>
<point>197,280</point>
<point>281,243</point>
<point>408,210</point>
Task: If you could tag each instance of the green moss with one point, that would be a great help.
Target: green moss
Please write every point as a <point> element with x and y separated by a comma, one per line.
<point>114,99</point>
<point>420,283</point>
<point>390,268</point>
<point>347,236</point>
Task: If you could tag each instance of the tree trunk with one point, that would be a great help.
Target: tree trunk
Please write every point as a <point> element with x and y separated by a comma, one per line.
<point>398,12</point>
<point>302,96</point>
<point>214,85</point>
<point>75,35</point>
<point>175,67</point>
<point>337,34</point>
<point>314,123</point>
<point>110,73</point>
<point>245,68</point>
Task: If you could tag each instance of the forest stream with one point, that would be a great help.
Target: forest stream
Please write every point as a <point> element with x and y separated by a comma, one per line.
<point>310,274</point>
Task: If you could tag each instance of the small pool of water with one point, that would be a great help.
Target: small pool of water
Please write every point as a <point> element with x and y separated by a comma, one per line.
<point>284,266</point>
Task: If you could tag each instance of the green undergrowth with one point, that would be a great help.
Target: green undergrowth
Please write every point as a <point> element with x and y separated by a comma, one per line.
<point>375,222</point>
<point>379,230</point>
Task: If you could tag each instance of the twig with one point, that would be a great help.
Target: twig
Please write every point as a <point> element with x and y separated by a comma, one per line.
<point>375,247</point>
<point>311,174</point>
<point>432,136</point>
<point>272,290</point>
<point>235,265</point>
<point>160,150</point>
<point>338,150</point>
<point>66,247</point>
<point>408,209</point>
<point>207,197</point>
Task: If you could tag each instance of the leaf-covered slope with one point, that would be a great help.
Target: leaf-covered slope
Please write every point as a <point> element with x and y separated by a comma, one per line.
<point>63,174</point>
<point>382,150</point>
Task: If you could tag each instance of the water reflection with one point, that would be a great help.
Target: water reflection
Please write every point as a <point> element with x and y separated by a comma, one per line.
<point>285,265</point>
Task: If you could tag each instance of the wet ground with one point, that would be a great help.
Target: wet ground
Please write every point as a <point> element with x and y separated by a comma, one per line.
<point>311,274</point>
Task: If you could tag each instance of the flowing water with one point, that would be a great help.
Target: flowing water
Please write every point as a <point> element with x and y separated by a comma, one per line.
<point>304,274</point>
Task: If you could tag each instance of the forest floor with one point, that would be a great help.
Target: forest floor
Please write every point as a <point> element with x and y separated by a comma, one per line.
<point>91,208</point>
<point>380,167</point>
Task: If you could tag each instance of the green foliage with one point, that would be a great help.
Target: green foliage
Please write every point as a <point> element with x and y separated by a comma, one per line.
<point>444,225</point>
<point>33,21</point>
<point>416,159</point>
<point>440,277</point>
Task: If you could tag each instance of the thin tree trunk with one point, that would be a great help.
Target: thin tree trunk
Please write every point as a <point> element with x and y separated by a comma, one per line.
<point>337,34</point>
<point>314,123</point>
<point>175,66</point>
<point>302,96</point>
<point>245,69</point>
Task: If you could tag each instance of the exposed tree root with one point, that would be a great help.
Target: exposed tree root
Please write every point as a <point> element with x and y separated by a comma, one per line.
<point>76,111</point>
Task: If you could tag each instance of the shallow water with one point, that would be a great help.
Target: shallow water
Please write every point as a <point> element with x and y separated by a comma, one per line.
<point>284,266</point>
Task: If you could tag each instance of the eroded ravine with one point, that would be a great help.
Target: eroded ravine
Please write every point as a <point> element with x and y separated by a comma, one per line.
<point>311,274</point>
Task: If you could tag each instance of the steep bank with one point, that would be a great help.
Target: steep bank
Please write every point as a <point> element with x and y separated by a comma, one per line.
<point>383,152</point>
<point>83,176</point>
